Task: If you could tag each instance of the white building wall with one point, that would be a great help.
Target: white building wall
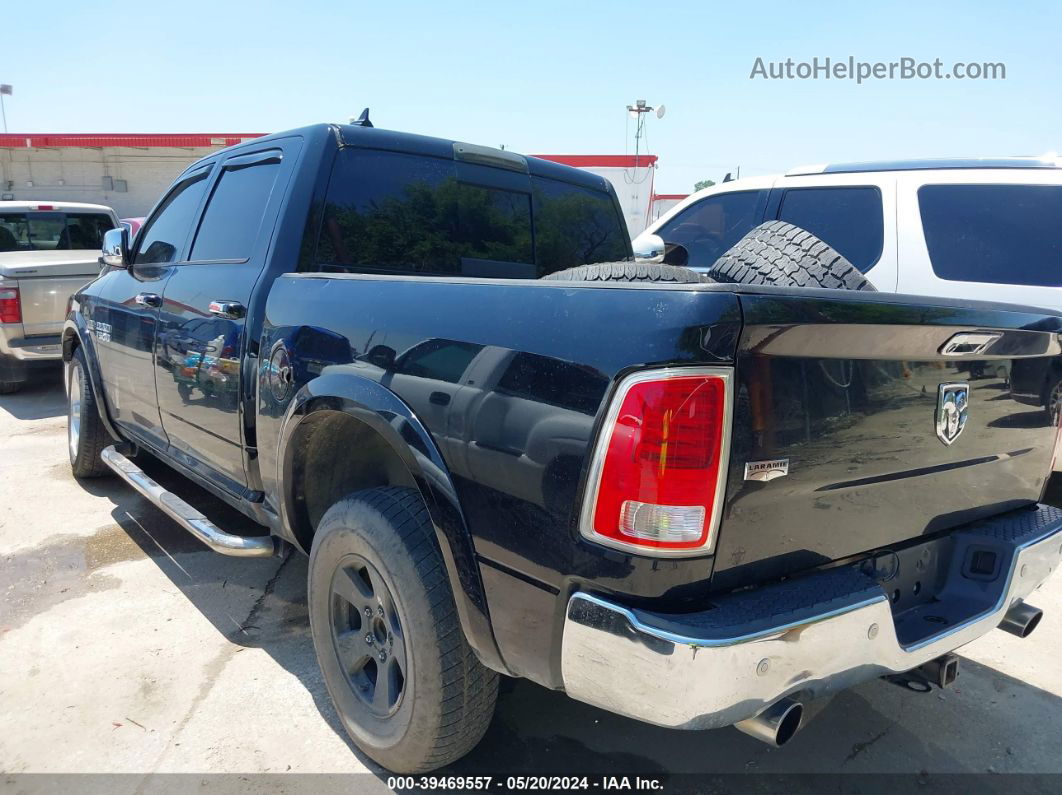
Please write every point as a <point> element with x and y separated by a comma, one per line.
<point>76,174</point>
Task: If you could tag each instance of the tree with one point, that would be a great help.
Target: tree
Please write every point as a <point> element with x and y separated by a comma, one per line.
<point>704,183</point>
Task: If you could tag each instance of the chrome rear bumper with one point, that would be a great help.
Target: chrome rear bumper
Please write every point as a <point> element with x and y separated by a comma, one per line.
<point>28,349</point>
<point>806,637</point>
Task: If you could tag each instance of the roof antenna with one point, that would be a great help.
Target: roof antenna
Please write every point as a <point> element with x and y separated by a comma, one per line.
<point>362,120</point>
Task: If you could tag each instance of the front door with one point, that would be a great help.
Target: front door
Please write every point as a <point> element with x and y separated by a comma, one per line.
<point>201,339</point>
<point>125,319</point>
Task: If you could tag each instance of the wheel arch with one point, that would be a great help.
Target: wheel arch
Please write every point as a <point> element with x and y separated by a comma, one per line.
<point>381,442</point>
<point>74,336</point>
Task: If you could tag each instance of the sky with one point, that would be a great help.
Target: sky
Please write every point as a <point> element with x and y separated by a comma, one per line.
<point>549,77</point>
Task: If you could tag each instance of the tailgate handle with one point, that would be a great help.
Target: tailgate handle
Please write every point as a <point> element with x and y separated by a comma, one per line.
<point>969,343</point>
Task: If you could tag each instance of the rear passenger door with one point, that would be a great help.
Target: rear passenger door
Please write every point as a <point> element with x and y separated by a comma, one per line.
<point>985,235</point>
<point>853,213</point>
<point>208,301</point>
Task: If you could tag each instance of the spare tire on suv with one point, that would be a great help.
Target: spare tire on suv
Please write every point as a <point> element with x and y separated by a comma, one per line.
<point>784,255</point>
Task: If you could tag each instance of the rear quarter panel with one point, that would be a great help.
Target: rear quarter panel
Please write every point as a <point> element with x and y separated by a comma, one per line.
<point>517,490</point>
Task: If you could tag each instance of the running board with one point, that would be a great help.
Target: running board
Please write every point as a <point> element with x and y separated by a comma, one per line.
<point>185,515</point>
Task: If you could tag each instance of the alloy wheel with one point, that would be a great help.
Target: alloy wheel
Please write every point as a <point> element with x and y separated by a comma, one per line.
<point>73,420</point>
<point>367,636</point>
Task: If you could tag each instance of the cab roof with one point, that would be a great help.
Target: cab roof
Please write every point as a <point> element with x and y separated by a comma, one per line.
<point>355,135</point>
<point>41,205</point>
<point>1047,161</point>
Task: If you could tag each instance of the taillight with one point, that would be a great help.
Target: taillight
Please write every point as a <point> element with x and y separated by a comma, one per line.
<point>659,469</point>
<point>10,306</point>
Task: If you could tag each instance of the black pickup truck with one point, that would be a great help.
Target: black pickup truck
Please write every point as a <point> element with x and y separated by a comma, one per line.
<point>695,504</point>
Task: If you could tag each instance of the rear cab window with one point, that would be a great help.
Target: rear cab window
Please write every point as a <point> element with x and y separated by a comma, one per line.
<point>848,218</point>
<point>390,212</point>
<point>994,233</point>
<point>42,230</point>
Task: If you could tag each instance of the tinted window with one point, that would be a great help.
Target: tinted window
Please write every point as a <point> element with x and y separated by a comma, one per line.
<point>849,219</point>
<point>711,226</point>
<point>52,231</point>
<point>390,212</point>
<point>576,226</point>
<point>495,224</point>
<point>442,360</point>
<point>1001,234</point>
<point>548,380</point>
<point>165,233</point>
<point>234,213</point>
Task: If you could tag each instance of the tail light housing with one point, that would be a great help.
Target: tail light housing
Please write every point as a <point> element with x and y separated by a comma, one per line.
<point>10,305</point>
<point>658,471</point>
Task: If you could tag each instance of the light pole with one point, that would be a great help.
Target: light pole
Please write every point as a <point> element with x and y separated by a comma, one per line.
<point>5,89</point>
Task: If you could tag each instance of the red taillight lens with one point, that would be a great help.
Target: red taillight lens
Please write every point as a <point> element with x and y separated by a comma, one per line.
<point>10,306</point>
<point>661,466</point>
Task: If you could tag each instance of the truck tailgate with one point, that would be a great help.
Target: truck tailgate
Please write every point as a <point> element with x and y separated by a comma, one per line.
<point>886,437</point>
<point>44,302</point>
<point>46,279</point>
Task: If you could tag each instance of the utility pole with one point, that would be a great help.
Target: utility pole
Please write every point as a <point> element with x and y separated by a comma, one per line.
<point>637,112</point>
<point>5,90</point>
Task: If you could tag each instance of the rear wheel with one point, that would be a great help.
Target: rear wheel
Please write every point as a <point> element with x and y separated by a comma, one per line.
<point>408,688</point>
<point>86,437</point>
<point>781,254</point>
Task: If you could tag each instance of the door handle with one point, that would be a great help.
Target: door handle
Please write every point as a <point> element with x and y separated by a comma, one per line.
<point>439,398</point>
<point>233,310</point>
<point>153,300</point>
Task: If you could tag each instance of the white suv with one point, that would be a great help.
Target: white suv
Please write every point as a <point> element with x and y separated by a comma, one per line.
<point>987,229</point>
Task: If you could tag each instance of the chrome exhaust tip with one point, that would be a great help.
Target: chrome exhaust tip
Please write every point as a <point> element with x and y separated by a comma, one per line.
<point>1021,619</point>
<point>776,725</point>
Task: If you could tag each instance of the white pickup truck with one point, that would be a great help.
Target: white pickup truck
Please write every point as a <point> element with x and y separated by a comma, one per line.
<point>48,250</point>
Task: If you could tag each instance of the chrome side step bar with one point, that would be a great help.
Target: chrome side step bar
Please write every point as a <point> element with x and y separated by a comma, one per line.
<point>185,515</point>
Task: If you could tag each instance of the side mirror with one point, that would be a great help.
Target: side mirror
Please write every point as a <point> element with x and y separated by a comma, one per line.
<point>648,247</point>
<point>116,248</point>
<point>676,254</point>
<point>382,356</point>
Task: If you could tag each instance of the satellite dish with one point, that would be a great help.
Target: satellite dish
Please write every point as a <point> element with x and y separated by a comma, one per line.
<point>660,110</point>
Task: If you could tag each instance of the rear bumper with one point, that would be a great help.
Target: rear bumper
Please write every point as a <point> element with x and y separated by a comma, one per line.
<point>806,637</point>
<point>13,345</point>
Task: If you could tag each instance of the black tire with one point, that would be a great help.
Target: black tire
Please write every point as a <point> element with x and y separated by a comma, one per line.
<point>628,272</point>
<point>435,709</point>
<point>781,254</point>
<point>85,434</point>
<point>10,387</point>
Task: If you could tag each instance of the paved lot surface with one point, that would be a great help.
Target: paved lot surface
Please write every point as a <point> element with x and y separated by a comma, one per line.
<point>125,647</point>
